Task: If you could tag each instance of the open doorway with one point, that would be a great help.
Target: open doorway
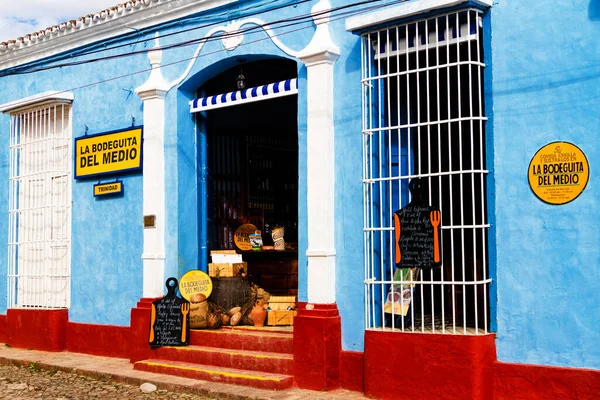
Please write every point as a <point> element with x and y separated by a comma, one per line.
<point>252,172</point>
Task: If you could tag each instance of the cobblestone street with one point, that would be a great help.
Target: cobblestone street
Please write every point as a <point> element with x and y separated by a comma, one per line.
<point>34,383</point>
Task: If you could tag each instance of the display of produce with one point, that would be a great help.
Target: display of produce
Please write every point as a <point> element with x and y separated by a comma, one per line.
<point>234,301</point>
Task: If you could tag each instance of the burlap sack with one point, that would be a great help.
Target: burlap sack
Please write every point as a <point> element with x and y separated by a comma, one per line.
<point>199,315</point>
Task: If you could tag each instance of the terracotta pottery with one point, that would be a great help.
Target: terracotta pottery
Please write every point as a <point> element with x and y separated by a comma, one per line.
<point>258,314</point>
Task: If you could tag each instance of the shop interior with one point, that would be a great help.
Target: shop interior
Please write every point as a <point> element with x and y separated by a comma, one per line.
<point>252,170</point>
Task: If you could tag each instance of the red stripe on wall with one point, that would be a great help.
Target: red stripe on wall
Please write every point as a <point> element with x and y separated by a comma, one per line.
<point>100,340</point>
<point>3,329</point>
<point>37,329</point>
<point>351,370</point>
<point>429,366</point>
<point>526,381</point>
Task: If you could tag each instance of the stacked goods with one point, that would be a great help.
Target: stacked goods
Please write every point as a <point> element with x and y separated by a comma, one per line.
<point>219,311</point>
<point>231,292</point>
<point>231,301</point>
<point>207,315</point>
<point>198,311</point>
<point>260,294</point>
<point>281,310</point>
<point>226,263</point>
<point>278,241</point>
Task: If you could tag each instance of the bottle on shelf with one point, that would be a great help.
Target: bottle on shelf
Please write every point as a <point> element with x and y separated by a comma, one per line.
<point>266,236</point>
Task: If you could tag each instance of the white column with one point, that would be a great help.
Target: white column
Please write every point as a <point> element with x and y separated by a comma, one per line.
<point>319,57</point>
<point>153,94</point>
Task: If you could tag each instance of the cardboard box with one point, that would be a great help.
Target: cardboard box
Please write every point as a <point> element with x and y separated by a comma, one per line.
<point>222,270</point>
<point>222,252</point>
<point>276,317</point>
<point>226,258</point>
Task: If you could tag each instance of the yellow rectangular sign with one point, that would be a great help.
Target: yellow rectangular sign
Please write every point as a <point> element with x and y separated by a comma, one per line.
<point>108,153</point>
<point>104,189</point>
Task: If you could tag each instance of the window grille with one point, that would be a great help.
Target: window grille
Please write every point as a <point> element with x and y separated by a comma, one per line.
<point>424,117</point>
<point>39,239</point>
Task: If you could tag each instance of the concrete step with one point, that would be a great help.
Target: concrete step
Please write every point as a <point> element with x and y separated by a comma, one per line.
<point>279,363</point>
<point>236,339</point>
<point>256,379</point>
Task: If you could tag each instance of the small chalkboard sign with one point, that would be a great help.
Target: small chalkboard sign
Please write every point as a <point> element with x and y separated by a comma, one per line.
<point>169,320</point>
<point>417,233</point>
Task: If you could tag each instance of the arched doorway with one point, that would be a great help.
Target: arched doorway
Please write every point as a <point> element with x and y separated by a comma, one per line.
<point>248,154</point>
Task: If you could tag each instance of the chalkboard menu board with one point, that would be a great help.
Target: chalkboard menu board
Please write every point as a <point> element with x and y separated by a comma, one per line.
<point>170,321</point>
<point>417,234</point>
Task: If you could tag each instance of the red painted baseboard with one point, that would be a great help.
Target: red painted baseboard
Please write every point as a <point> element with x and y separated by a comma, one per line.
<point>351,370</point>
<point>428,366</point>
<point>101,340</point>
<point>3,329</point>
<point>317,346</point>
<point>37,329</point>
<point>526,381</point>
<point>140,330</point>
<point>419,366</point>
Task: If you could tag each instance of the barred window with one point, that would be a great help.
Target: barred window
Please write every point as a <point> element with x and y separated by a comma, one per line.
<point>424,117</point>
<point>39,243</point>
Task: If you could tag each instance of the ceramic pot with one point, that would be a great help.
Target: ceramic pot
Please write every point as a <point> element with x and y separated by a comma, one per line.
<point>258,314</point>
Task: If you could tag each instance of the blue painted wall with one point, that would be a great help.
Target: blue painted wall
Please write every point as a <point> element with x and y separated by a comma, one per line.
<point>546,86</point>
<point>543,82</point>
<point>349,238</point>
<point>106,233</point>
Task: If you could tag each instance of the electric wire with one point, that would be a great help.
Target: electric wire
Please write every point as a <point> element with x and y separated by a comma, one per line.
<point>219,36</point>
<point>153,28</point>
<point>195,57</point>
<point>92,48</point>
<point>287,22</point>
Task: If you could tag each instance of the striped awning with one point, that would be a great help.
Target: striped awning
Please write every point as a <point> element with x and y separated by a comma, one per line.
<point>264,92</point>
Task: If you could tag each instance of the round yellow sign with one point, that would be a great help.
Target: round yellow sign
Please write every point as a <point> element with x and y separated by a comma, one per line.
<point>558,172</point>
<point>242,236</point>
<point>193,282</point>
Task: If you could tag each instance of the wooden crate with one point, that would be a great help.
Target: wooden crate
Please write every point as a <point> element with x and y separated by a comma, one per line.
<point>281,303</point>
<point>227,270</point>
<point>277,317</point>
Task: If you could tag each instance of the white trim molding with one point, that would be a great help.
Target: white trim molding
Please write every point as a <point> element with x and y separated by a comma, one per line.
<point>232,42</point>
<point>153,93</point>
<point>37,100</point>
<point>319,57</point>
<point>404,10</point>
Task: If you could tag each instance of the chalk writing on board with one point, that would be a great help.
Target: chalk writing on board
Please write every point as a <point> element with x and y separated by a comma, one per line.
<point>169,324</point>
<point>417,236</point>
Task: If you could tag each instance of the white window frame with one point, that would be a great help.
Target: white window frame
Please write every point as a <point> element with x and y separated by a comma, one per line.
<point>40,195</point>
<point>464,273</point>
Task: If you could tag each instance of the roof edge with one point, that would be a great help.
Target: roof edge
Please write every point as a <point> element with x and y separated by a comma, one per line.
<point>93,28</point>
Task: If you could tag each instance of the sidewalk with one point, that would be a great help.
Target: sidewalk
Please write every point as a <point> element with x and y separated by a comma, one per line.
<point>120,370</point>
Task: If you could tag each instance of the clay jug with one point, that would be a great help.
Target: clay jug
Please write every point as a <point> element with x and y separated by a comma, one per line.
<point>258,314</point>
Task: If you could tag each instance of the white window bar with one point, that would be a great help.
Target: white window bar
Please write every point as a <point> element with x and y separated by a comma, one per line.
<point>423,117</point>
<point>39,238</point>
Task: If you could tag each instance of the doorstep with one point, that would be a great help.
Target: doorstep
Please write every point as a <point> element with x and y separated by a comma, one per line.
<point>121,370</point>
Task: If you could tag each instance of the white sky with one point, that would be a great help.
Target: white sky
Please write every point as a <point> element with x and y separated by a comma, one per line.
<point>20,17</point>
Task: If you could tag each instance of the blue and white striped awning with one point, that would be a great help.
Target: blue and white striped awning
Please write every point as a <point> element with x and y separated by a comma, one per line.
<point>264,92</point>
